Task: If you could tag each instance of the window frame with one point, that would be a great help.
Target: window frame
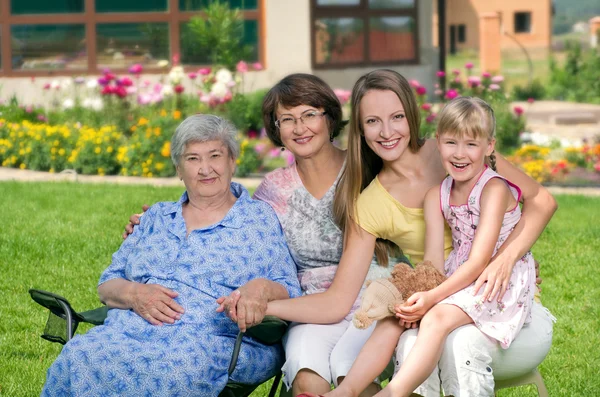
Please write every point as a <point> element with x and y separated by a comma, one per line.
<point>461,38</point>
<point>529,25</point>
<point>90,18</point>
<point>364,13</point>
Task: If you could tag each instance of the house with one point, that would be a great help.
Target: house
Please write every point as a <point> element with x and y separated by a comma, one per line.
<point>522,23</point>
<point>338,40</point>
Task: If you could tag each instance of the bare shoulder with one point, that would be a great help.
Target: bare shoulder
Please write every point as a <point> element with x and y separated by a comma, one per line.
<point>497,190</point>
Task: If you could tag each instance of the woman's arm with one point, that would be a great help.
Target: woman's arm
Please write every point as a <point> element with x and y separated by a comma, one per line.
<point>538,208</point>
<point>495,198</point>
<point>334,304</point>
<point>153,302</point>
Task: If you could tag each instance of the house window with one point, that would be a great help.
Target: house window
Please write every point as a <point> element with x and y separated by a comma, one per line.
<point>363,32</point>
<point>462,33</point>
<point>522,22</point>
<point>75,37</point>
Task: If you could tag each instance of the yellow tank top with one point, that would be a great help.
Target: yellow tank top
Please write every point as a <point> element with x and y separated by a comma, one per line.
<point>384,217</point>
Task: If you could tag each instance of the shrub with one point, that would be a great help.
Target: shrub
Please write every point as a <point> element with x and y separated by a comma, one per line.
<point>533,90</point>
<point>579,78</point>
<point>248,160</point>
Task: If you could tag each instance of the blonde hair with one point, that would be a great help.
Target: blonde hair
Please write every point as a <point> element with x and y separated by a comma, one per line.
<point>362,164</point>
<point>469,116</point>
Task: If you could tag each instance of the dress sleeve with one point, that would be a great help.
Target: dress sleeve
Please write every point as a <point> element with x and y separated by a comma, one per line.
<point>119,259</point>
<point>281,266</point>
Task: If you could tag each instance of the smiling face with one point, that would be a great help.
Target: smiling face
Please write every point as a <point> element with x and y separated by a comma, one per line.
<point>304,138</point>
<point>463,156</point>
<point>206,168</point>
<point>384,124</point>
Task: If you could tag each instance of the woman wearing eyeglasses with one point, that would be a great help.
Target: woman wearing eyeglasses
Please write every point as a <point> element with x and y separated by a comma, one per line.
<point>303,115</point>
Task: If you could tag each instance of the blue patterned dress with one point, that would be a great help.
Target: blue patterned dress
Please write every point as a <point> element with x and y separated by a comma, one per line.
<point>127,356</point>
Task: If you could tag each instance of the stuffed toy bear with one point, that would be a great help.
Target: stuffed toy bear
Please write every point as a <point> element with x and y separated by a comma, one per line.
<point>382,295</point>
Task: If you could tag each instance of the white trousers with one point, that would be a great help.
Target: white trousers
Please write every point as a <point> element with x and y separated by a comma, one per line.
<point>329,350</point>
<point>471,361</point>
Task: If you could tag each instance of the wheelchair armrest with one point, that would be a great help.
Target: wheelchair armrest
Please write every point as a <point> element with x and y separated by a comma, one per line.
<point>269,331</point>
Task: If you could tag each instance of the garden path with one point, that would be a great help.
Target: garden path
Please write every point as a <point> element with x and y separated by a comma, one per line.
<point>562,120</point>
<point>13,174</point>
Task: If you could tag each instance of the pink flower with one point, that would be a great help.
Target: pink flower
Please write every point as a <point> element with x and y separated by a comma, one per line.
<point>107,90</point>
<point>457,80</point>
<point>469,65</point>
<point>121,92</point>
<point>441,73</point>
<point>421,90</point>
<point>178,89</point>
<point>414,83</point>
<point>204,71</point>
<point>241,67</point>
<point>343,95</point>
<point>175,59</point>
<point>497,79</point>
<point>597,166</point>
<point>456,72</point>
<point>124,82</point>
<point>257,66</point>
<point>47,86</point>
<point>28,108</point>
<point>474,81</point>
<point>494,87</point>
<point>518,110</point>
<point>136,69</point>
<point>426,107</point>
<point>430,118</point>
<point>530,100</point>
<point>103,81</point>
<point>486,75</point>
<point>192,75</point>
<point>438,92</point>
<point>109,76</point>
<point>451,94</point>
<point>41,117</point>
<point>259,148</point>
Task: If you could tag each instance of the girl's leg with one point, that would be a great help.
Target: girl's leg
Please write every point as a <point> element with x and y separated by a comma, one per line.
<point>435,326</point>
<point>431,387</point>
<point>372,359</point>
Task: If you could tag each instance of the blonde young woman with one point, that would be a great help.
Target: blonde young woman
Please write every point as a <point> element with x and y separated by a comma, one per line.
<point>389,169</point>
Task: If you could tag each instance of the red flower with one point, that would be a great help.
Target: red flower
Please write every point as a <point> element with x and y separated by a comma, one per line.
<point>441,73</point>
<point>178,89</point>
<point>136,69</point>
<point>121,92</point>
<point>421,90</point>
<point>107,90</point>
<point>518,110</point>
<point>426,107</point>
<point>530,100</point>
<point>430,118</point>
<point>451,94</point>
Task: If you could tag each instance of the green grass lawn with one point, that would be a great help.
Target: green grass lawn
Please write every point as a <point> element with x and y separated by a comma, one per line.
<point>60,236</point>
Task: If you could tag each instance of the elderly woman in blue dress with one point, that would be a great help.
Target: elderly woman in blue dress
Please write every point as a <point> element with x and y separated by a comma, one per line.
<point>163,335</point>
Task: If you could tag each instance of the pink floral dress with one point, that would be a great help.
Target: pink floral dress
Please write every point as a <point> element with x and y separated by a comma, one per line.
<point>499,320</point>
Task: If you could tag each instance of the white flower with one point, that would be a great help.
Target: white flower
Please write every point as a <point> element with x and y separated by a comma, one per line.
<point>223,76</point>
<point>55,84</point>
<point>92,83</point>
<point>219,89</point>
<point>162,63</point>
<point>167,90</point>
<point>93,103</point>
<point>118,56</point>
<point>176,75</point>
<point>68,103</point>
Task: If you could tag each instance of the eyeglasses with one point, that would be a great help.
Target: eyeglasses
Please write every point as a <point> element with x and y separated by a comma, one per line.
<point>309,119</point>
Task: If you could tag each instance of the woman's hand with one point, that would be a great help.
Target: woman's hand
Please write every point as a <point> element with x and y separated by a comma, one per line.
<point>247,305</point>
<point>497,276</point>
<point>415,307</point>
<point>134,220</point>
<point>155,303</point>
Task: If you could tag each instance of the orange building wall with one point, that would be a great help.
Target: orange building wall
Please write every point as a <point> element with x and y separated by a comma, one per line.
<point>467,12</point>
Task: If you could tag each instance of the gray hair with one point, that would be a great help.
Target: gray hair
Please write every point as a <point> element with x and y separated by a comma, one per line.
<point>203,128</point>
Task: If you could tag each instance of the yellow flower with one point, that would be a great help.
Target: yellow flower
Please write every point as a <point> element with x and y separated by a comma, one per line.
<point>101,171</point>
<point>177,115</point>
<point>238,161</point>
<point>61,152</point>
<point>22,166</point>
<point>166,149</point>
<point>163,112</point>
<point>157,131</point>
<point>159,166</point>
<point>53,150</point>
<point>142,121</point>
<point>51,170</point>
<point>97,150</point>
<point>133,128</point>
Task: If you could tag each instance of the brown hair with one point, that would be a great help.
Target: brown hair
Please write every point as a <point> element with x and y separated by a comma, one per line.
<point>469,116</point>
<point>362,164</point>
<point>301,89</point>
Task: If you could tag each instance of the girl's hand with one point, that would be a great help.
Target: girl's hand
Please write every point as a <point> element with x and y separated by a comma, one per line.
<point>497,276</point>
<point>415,307</point>
<point>408,325</point>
